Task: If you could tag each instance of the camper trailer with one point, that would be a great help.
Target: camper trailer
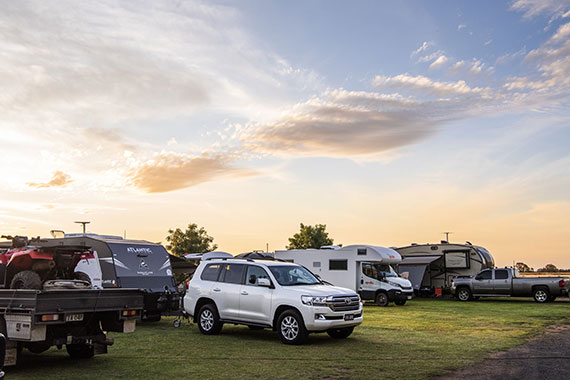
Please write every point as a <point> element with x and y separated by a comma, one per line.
<point>365,269</point>
<point>122,263</point>
<point>434,266</point>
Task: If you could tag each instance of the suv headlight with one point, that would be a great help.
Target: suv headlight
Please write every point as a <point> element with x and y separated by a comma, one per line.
<point>315,300</point>
<point>394,284</point>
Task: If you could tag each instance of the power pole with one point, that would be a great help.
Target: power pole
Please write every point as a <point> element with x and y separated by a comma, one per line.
<point>84,224</point>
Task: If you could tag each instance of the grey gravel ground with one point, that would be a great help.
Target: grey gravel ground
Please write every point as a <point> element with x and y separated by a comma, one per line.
<point>544,357</point>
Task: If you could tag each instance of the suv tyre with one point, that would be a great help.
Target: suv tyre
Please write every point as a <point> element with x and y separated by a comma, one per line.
<point>209,320</point>
<point>291,328</point>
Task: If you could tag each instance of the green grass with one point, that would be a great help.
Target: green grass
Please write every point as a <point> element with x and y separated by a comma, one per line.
<point>420,340</point>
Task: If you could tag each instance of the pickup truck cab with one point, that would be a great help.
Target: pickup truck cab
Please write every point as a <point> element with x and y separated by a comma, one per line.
<point>506,282</point>
<point>285,297</point>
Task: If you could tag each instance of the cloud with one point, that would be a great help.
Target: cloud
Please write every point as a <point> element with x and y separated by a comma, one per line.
<point>174,171</point>
<point>532,8</point>
<point>425,84</point>
<point>59,179</point>
<point>461,26</point>
<point>439,62</point>
<point>425,45</point>
<point>470,68</point>
<point>342,123</point>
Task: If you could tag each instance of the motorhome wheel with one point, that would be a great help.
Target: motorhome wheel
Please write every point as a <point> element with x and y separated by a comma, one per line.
<point>382,299</point>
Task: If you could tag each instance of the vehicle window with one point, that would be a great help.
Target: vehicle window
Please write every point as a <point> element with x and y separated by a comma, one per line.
<point>338,264</point>
<point>232,273</point>
<point>501,274</point>
<point>369,270</point>
<point>485,275</point>
<point>253,274</point>
<point>288,275</point>
<point>210,273</point>
<point>361,251</point>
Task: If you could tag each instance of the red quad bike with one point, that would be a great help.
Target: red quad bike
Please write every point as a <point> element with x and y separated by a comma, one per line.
<point>25,266</point>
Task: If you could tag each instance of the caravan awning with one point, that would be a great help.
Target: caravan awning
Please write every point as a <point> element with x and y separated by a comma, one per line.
<point>416,268</point>
<point>420,260</point>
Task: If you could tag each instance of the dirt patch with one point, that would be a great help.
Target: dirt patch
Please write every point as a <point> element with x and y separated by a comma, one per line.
<point>546,356</point>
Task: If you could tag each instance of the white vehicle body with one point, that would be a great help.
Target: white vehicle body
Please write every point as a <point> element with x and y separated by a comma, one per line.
<point>92,268</point>
<point>365,269</point>
<point>261,296</point>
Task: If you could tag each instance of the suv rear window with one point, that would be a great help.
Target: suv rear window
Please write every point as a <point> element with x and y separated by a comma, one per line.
<point>232,273</point>
<point>210,273</point>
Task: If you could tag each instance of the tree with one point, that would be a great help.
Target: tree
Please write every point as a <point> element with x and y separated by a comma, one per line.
<point>310,237</point>
<point>193,240</point>
<point>522,267</point>
<point>548,268</point>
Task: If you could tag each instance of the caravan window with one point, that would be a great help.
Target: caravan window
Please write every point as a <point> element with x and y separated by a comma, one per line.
<point>338,264</point>
<point>361,251</point>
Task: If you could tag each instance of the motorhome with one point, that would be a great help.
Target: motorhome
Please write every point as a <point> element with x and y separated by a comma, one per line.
<point>124,263</point>
<point>365,269</point>
<point>434,266</point>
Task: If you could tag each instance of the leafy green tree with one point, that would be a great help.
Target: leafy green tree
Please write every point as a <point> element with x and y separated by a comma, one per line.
<point>193,240</point>
<point>310,237</point>
<point>548,268</point>
<point>522,267</point>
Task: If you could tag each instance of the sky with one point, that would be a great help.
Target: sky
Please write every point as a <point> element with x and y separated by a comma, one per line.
<point>390,122</point>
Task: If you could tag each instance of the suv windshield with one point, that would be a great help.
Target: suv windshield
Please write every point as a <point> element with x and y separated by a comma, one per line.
<point>288,275</point>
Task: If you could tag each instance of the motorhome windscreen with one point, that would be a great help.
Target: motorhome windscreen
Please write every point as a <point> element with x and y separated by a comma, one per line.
<point>289,275</point>
<point>377,270</point>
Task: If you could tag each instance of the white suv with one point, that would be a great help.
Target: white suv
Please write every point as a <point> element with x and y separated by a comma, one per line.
<point>269,294</point>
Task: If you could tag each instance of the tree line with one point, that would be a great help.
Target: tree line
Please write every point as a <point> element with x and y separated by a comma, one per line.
<point>196,239</point>
<point>551,268</point>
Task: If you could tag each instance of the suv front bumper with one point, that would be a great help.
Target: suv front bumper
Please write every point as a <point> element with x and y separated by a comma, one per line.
<point>322,318</point>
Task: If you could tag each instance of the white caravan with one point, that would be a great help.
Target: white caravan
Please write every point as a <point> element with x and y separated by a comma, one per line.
<point>365,269</point>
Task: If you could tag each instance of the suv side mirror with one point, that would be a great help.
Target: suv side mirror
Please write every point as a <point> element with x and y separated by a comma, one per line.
<point>264,282</point>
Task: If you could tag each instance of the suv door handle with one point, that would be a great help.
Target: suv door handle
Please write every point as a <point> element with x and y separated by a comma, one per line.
<point>217,290</point>
<point>244,293</point>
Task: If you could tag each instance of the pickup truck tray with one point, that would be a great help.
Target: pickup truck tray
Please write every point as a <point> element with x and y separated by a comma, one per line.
<point>69,300</point>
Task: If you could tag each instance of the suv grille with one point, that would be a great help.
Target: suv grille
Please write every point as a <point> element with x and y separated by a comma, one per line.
<point>344,303</point>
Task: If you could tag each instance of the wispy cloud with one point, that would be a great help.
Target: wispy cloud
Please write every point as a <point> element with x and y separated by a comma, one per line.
<point>425,45</point>
<point>532,8</point>
<point>58,179</point>
<point>174,171</point>
<point>439,62</point>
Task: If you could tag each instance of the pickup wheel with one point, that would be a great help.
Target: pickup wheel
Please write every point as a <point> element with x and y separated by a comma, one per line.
<point>291,328</point>
<point>80,351</point>
<point>209,320</point>
<point>340,333</point>
<point>541,295</point>
<point>382,299</point>
<point>464,294</point>
<point>26,279</point>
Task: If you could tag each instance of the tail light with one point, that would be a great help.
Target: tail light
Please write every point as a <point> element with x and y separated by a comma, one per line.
<point>187,284</point>
<point>561,283</point>
<point>129,313</point>
<point>50,317</point>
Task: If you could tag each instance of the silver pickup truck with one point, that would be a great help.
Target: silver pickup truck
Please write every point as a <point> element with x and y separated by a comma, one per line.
<point>506,282</point>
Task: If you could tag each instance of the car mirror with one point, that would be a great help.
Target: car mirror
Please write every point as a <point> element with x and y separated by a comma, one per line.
<point>264,282</point>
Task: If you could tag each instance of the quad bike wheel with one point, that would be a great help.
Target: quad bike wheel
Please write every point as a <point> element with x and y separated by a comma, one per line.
<point>26,280</point>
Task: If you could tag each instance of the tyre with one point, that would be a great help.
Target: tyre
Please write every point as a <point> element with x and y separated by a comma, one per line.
<point>341,333</point>
<point>82,276</point>
<point>26,280</point>
<point>291,328</point>
<point>382,299</point>
<point>464,294</point>
<point>209,320</point>
<point>80,351</point>
<point>400,302</point>
<point>541,295</point>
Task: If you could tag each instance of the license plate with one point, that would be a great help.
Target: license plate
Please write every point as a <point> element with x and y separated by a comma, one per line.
<point>74,317</point>
<point>409,297</point>
<point>349,317</point>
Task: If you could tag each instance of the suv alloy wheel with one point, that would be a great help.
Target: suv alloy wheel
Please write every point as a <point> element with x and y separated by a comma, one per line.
<point>291,328</point>
<point>209,320</point>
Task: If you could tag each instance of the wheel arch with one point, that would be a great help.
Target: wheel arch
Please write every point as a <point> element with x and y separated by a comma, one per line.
<point>201,302</point>
<point>280,309</point>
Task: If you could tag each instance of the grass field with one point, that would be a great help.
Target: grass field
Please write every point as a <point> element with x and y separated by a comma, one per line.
<point>420,340</point>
